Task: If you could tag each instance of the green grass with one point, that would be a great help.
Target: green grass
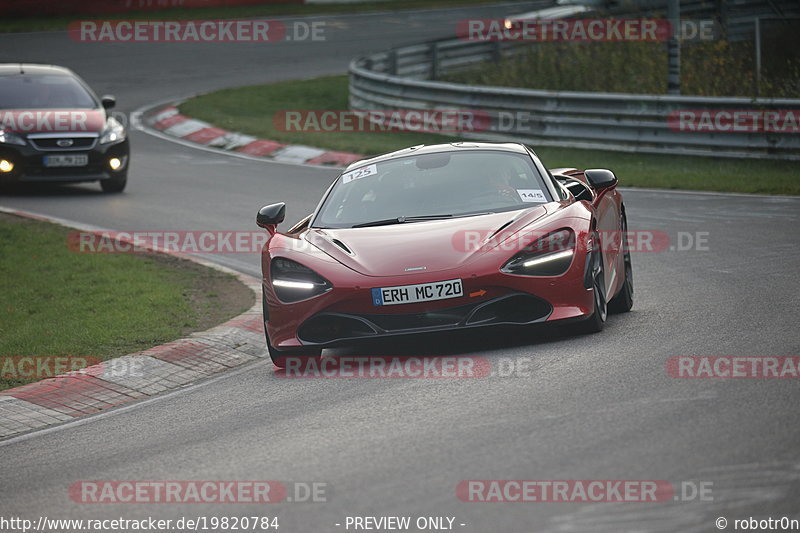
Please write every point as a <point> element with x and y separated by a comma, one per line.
<point>56,302</point>
<point>9,24</point>
<point>683,172</point>
<point>251,110</point>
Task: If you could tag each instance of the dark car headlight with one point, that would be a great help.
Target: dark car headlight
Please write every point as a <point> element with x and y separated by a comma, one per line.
<point>294,282</point>
<point>550,255</point>
<point>7,137</point>
<point>113,132</point>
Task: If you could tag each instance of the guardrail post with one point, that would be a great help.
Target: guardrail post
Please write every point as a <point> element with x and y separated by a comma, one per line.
<point>722,10</point>
<point>674,48</point>
<point>497,52</point>
<point>434,61</point>
<point>758,56</point>
<point>392,62</point>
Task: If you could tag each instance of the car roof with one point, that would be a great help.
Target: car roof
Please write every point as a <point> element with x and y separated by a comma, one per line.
<point>461,146</point>
<point>33,69</point>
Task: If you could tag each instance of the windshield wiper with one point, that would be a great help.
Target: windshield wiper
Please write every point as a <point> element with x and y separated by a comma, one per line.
<point>403,220</point>
<point>400,220</point>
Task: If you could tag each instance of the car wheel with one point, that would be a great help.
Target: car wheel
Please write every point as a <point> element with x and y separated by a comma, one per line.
<point>279,357</point>
<point>623,301</point>
<point>115,184</point>
<point>597,319</point>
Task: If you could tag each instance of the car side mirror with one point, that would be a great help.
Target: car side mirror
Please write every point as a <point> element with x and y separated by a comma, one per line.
<point>108,101</point>
<point>270,216</point>
<point>600,179</point>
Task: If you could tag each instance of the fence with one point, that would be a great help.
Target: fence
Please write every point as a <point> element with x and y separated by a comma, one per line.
<point>404,78</point>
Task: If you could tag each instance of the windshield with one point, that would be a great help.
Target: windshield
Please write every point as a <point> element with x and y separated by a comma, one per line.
<point>433,185</point>
<point>20,91</point>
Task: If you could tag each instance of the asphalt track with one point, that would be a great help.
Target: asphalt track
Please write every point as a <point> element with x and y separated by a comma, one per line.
<point>589,407</point>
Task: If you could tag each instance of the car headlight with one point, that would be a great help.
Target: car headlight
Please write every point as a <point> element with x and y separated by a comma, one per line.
<point>294,282</point>
<point>550,255</point>
<point>7,137</point>
<point>113,132</point>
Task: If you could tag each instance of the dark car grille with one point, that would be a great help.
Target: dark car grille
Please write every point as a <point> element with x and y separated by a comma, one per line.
<point>518,308</point>
<point>43,172</point>
<point>69,143</point>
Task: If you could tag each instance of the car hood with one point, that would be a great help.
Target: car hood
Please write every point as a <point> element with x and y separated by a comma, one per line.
<point>414,247</point>
<point>27,121</point>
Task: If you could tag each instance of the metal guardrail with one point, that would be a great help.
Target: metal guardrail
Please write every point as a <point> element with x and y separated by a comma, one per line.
<point>402,79</point>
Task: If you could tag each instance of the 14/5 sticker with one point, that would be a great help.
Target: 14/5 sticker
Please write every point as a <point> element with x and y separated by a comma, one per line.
<point>359,173</point>
<point>531,195</point>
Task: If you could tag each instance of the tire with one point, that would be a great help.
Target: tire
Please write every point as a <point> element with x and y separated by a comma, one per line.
<point>623,301</point>
<point>597,320</point>
<point>279,356</point>
<point>115,184</point>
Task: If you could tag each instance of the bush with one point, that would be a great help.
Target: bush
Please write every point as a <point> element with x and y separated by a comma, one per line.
<point>719,68</point>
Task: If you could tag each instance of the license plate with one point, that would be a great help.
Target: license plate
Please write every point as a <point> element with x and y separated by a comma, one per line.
<point>421,292</point>
<point>66,160</point>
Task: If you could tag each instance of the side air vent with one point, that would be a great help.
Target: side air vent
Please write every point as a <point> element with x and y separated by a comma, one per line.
<point>501,228</point>
<point>342,245</point>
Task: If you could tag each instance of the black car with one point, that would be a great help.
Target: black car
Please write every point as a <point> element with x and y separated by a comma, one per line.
<point>53,128</point>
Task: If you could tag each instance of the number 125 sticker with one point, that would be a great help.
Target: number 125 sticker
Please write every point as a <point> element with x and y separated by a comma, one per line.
<point>359,173</point>
<point>531,195</point>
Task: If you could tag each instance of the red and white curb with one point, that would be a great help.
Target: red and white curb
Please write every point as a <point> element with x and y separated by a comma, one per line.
<point>169,121</point>
<point>139,375</point>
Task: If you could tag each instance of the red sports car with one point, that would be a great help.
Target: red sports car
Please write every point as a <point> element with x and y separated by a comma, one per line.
<point>445,237</point>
